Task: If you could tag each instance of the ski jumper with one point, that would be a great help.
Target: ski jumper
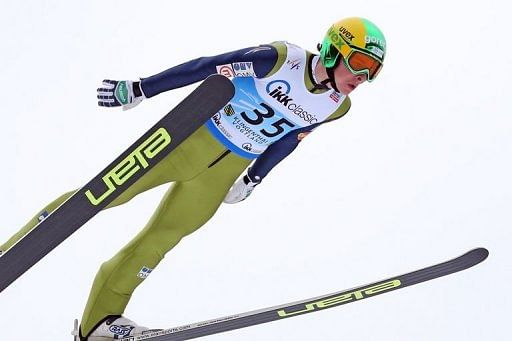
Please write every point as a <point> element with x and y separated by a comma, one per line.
<point>276,104</point>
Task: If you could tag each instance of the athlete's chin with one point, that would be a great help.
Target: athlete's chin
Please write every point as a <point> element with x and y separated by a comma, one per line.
<point>346,89</point>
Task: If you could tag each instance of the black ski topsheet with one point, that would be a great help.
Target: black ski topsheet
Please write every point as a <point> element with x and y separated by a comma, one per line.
<point>207,99</point>
<point>252,318</point>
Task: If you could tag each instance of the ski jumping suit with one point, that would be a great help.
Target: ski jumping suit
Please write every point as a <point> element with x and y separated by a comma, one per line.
<point>277,102</point>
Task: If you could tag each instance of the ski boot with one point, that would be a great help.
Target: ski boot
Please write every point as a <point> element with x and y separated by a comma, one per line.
<point>111,328</point>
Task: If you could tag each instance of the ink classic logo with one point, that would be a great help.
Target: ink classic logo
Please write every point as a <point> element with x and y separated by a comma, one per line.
<point>279,90</point>
<point>238,69</point>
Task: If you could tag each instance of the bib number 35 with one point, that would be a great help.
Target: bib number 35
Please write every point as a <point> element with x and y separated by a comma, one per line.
<point>261,116</point>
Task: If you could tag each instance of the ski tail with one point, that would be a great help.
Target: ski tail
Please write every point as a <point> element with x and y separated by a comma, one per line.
<point>277,313</point>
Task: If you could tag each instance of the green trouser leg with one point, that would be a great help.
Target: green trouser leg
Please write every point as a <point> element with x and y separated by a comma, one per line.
<point>201,182</point>
<point>159,177</point>
<point>198,190</point>
<point>34,221</point>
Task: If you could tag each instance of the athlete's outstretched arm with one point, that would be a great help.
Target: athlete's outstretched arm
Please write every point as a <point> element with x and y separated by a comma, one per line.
<point>263,59</point>
<point>252,61</point>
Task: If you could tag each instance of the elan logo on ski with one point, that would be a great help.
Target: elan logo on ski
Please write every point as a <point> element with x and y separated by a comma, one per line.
<point>344,298</point>
<point>283,311</point>
<point>137,160</point>
<point>194,111</point>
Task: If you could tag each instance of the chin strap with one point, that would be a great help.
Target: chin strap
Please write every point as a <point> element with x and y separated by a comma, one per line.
<point>330,79</point>
<point>322,85</point>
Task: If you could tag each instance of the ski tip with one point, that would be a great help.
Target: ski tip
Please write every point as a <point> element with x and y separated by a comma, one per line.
<point>478,255</point>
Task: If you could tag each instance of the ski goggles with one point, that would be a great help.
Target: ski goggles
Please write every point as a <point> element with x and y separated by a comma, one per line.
<point>360,62</point>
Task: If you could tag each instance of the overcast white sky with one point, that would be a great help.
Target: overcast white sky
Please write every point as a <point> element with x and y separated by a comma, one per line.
<point>417,173</point>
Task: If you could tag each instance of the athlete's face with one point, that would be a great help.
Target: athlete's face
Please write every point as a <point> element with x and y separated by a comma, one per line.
<point>346,81</point>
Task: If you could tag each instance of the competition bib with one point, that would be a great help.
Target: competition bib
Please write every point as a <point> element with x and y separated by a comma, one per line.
<point>263,110</point>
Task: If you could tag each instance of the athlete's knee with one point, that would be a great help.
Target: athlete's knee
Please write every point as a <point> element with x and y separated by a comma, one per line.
<point>188,225</point>
<point>105,269</point>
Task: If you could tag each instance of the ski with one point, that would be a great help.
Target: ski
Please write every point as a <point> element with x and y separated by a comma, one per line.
<point>207,99</point>
<point>219,325</point>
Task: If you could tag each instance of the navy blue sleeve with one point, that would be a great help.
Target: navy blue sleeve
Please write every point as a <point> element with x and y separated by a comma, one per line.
<point>276,152</point>
<point>263,59</point>
<point>279,150</point>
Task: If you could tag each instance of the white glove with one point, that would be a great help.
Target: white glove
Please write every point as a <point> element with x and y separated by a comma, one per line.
<point>127,94</point>
<point>241,189</point>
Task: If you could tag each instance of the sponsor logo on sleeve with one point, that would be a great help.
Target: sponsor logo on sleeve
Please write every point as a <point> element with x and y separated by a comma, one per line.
<point>225,70</point>
<point>238,69</point>
<point>244,69</point>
